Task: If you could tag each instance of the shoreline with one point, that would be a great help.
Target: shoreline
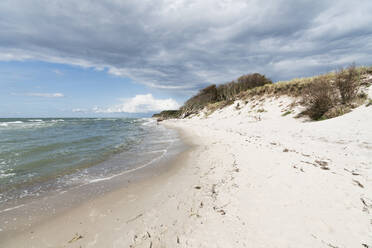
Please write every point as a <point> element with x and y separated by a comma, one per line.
<point>94,150</point>
<point>128,181</point>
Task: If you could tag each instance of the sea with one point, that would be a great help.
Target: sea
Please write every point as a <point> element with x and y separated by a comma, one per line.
<point>41,158</point>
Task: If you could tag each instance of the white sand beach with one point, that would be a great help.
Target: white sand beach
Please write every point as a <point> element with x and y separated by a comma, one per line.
<point>253,178</point>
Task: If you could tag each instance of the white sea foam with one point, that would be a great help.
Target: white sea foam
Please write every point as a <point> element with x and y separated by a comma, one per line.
<point>163,141</point>
<point>157,151</point>
<point>21,124</point>
<point>131,170</point>
<point>148,122</point>
<point>15,122</point>
<point>124,172</point>
<point>6,173</point>
<point>6,124</point>
<point>9,209</point>
<point>101,179</point>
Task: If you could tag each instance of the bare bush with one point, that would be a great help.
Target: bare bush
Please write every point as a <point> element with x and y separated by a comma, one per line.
<point>225,92</point>
<point>347,82</point>
<point>319,97</point>
<point>231,90</point>
<point>200,100</point>
<point>250,81</point>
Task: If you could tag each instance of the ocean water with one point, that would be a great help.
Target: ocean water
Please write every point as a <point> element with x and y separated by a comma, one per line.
<point>47,156</point>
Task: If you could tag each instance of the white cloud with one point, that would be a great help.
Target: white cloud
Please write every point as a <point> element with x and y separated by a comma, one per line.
<point>140,104</point>
<point>49,95</point>
<point>58,72</point>
<point>78,110</point>
<point>96,109</point>
<point>167,44</point>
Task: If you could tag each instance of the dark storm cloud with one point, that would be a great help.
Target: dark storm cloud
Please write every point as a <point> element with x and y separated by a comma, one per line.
<point>183,45</point>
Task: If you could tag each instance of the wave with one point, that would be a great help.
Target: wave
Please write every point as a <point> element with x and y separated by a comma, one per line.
<point>162,141</point>
<point>157,151</point>
<point>96,180</point>
<point>31,123</point>
<point>10,123</point>
<point>148,122</point>
<point>12,208</point>
<point>13,122</point>
<point>4,174</point>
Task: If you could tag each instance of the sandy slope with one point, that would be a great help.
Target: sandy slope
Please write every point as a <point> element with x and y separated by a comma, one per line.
<point>286,182</point>
<point>255,178</point>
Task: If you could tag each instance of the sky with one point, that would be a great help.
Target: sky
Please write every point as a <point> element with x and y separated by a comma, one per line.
<point>134,58</point>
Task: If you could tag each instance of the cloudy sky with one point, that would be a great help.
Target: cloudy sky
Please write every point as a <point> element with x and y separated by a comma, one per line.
<point>130,58</point>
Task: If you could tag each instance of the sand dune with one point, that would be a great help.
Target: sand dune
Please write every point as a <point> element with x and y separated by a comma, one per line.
<point>285,182</point>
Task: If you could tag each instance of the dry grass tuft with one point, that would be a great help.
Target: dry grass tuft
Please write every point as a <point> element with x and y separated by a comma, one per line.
<point>347,82</point>
<point>217,105</point>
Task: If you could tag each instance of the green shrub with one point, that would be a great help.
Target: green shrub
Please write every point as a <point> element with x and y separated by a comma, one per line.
<point>168,114</point>
<point>369,102</point>
<point>287,113</point>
